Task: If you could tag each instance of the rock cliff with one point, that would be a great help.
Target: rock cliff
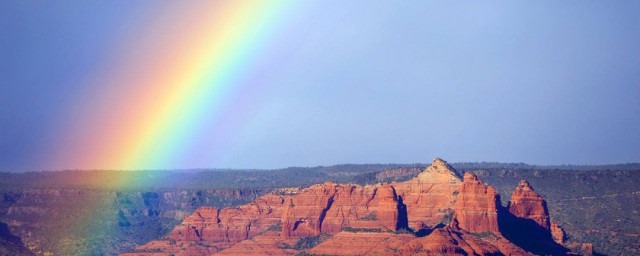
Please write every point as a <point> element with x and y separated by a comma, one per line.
<point>557,233</point>
<point>476,208</point>
<point>525,222</point>
<point>429,197</point>
<point>67,221</point>
<point>526,203</point>
<point>435,213</point>
<point>329,207</point>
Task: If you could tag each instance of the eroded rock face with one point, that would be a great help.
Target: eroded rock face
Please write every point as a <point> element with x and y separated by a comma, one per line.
<point>454,241</point>
<point>362,243</point>
<point>209,230</point>
<point>268,243</point>
<point>430,196</point>
<point>557,233</point>
<point>581,248</point>
<point>526,203</point>
<point>365,220</point>
<point>525,222</point>
<point>476,208</point>
<point>329,207</point>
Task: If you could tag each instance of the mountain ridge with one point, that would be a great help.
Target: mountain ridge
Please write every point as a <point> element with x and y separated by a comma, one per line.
<point>446,214</point>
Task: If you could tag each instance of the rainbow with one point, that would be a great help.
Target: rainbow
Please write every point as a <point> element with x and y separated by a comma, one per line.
<point>170,93</point>
<point>183,74</point>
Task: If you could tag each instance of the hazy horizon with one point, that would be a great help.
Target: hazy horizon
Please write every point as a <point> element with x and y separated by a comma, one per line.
<point>421,164</point>
<point>317,84</point>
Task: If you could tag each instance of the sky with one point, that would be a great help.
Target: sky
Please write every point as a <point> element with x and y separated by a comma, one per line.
<point>317,83</point>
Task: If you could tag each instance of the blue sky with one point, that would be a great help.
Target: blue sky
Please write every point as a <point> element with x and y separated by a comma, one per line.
<point>544,82</point>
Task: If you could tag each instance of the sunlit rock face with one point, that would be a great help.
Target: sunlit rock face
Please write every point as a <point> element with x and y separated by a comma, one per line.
<point>430,196</point>
<point>526,203</point>
<point>435,213</point>
<point>476,208</point>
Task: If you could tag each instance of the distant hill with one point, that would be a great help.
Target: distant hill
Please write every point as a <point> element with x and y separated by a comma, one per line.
<point>595,204</point>
<point>250,178</point>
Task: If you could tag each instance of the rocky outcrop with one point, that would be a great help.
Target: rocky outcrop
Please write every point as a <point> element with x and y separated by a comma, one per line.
<point>362,243</point>
<point>436,213</point>
<point>430,196</point>
<point>476,208</point>
<point>557,233</point>
<point>268,243</point>
<point>525,222</point>
<point>218,229</point>
<point>445,241</point>
<point>329,207</point>
<point>452,240</point>
<point>585,249</point>
<point>47,219</point>
<point>526,203</point>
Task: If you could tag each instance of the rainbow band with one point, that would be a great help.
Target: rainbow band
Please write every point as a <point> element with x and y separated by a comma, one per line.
<point>174,80</point>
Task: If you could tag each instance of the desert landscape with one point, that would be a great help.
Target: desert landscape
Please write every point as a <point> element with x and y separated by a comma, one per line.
<point>583,209</point>
<point>283,127</point>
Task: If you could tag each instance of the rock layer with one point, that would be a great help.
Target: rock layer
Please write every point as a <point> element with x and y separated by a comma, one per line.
<point>329,207</point>
<point>526,203</point>
<point>557,233</point>
<point>430,196</point>
<point>436,213</point>
<point>209,230</point>
<point>476,208</point>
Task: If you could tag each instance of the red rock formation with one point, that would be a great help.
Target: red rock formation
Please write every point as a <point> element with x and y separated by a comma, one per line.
<point>584,249</point>
<point>329,207</point>
<point>557,233</point>
<point>430,196</point>
<point>362,243</point>
<point>452,240</point>
<point>209,230</point>
<point>526,223</point>
<point>362,220</point>
<point>268,243</point>
<point>526,203</point>
<point>476,207</point>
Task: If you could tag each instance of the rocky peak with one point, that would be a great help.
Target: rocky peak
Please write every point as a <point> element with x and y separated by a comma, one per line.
<point>524,185</point>
<point>439,170</point>
<point>356,214</point>
<point>329,207</point>
<point>557,233</point>
<point>476,207</point>
<point>428,196</point>
<point>526,203</point>
<point>439,162</point>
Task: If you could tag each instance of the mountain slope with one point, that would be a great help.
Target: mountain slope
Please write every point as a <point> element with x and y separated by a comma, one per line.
<point>435,213</point>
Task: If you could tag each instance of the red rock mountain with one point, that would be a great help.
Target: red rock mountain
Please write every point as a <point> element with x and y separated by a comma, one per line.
<point>435,213</point>
<point>526,203</point>
<point>476,208</point>
<point>430,196</point>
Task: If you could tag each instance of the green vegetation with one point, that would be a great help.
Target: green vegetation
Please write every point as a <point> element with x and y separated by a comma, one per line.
<point>448,215</point>
<point>405,231</point>
<point>361,230</point>
<point>484,235</point>
<point>371,217</point>
<point>275,227</point>
<point>594,204</point>
<point>306,243</point>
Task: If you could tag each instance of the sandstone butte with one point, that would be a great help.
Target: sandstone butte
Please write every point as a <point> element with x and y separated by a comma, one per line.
<point>435,213</point>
